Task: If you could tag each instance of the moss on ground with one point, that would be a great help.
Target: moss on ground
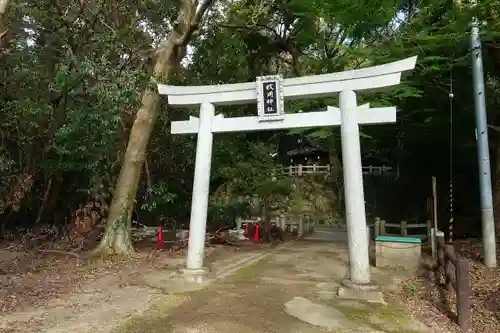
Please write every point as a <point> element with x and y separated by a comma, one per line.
<point>248,271</point>
<point>156,315</point>
<point>396,319</point>
<point>385,318</point>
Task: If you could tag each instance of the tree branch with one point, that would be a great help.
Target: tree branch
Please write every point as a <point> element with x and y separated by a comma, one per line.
<point>202,8</point>
<point>253,28</point>
<point>193,25</point>
<point>3,10</point>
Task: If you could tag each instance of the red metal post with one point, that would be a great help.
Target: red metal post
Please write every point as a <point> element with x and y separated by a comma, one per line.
<point>256,235</point>
<point>159,237</point>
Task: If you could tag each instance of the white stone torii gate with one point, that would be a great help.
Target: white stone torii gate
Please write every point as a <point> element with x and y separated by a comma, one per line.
<point>269,92</point>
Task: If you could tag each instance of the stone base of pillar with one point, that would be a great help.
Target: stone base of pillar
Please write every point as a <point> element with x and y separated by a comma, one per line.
<point>179,279</point>
<point>370,292</point>
<point>195,275</point>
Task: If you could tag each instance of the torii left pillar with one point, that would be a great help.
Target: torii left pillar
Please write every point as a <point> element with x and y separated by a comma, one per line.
<point>201,187</point>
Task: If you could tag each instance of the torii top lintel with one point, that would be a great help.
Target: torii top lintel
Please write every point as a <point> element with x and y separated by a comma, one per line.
<point>322,85</point>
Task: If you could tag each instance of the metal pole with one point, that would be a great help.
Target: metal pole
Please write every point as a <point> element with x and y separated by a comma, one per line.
<point>434,217</point>
<point>434,203</point>
<point>487,220</point>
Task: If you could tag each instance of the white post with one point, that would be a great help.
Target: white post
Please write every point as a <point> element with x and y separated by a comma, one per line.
<point>239,223</point>
<point>283,222</point>
<point>201,186</point>
<point>359,264</point>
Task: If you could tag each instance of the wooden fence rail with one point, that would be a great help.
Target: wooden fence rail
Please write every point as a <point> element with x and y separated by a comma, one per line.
<point>403,226</point>
<point>298,170</point>
<point>456,274</point>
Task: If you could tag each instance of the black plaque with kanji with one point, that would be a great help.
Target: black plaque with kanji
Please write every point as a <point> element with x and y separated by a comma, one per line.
<point>270,98</point>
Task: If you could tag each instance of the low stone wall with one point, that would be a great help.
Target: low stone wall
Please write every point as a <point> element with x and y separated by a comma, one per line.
<point>398,252</point>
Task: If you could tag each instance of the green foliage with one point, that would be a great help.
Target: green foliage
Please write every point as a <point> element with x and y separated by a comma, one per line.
<point>250,169</point>
<point>97,118</point>
<point>158,199</point>
<point>72,78</point>
<point>226,214</point>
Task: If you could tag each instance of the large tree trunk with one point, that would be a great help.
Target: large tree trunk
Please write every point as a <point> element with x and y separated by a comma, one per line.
<point>335,172</point>
<point>266,217</point>
<point>117,238</point>
<point>3,10</point>
<point>3,26</point>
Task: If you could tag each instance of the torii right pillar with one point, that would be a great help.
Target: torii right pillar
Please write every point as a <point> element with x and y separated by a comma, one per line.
<point>359,281</point>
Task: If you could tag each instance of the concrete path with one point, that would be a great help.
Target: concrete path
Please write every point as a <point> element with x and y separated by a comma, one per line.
<point>294,290</point>
<point>325,233</point>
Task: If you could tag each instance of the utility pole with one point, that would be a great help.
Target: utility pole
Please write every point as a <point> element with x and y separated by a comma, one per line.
<point>483,151</point>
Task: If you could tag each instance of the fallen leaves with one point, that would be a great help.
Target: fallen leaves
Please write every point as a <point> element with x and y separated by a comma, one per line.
<point>32,278</point>
<point>437,307</point>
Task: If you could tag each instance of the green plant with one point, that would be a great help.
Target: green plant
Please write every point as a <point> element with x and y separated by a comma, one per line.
<point>412,289</point>
<point>158,198</point>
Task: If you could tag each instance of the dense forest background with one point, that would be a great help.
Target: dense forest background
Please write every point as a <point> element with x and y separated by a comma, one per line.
<point>84,136</point>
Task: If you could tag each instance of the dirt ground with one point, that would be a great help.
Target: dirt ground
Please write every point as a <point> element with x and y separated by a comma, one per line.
<point>55,291</point>
<point>42,289</point>
<point>300,279</point>
<point>55,295</point>
<point>437,306</point>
